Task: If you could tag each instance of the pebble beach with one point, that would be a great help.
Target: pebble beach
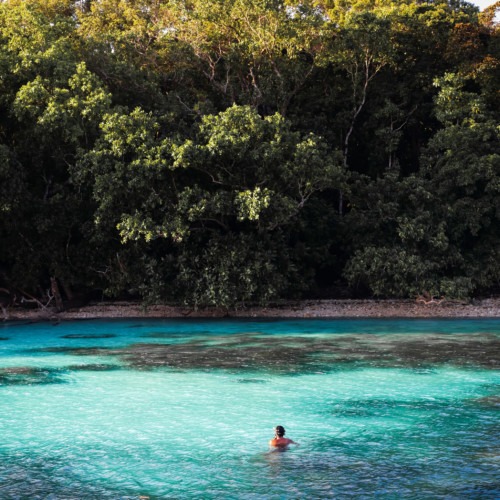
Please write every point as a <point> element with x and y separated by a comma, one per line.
<point>478,308</point>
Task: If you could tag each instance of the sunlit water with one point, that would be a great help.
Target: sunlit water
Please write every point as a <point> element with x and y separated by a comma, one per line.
<point>184,409</point>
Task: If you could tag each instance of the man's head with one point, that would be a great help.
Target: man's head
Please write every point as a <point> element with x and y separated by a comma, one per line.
<point>279,430</point>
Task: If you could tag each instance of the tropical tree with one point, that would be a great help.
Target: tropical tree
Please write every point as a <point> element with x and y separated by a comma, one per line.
<point>51,109</point>
<point>217,197</point>
<point>442,224</point>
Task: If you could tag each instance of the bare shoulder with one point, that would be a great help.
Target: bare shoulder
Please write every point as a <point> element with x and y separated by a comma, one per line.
<point>281,442</point>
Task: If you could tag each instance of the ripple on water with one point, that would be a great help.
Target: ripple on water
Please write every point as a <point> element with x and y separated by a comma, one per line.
<point>376,415</point>
<point>29,476</point>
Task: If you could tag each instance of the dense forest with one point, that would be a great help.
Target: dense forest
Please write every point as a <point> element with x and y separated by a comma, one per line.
<point>219,152</point>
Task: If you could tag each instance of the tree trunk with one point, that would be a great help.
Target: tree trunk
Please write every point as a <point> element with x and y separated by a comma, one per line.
<point>67,290</point>
<point>57,294</point>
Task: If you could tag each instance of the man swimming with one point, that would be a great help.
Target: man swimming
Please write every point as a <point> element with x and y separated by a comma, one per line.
<point>279,441</point>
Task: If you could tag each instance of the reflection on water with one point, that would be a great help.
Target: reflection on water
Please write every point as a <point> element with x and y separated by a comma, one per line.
<point>171,409</point>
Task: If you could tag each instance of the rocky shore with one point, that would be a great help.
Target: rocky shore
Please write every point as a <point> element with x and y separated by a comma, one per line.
<point>483,308</point>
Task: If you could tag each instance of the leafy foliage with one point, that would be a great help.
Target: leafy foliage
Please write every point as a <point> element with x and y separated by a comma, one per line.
<point>219,152</point>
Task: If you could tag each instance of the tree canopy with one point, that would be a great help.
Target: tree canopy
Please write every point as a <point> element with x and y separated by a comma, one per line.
<point>217,152</point>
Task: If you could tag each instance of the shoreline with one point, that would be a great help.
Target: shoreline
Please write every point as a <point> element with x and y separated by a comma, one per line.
<point>483,308</point>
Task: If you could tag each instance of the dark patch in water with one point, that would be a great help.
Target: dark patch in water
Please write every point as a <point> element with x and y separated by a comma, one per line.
<point>39,477</point>
<point>479,491</point>
<point>88,336</point>
<point>368,408</point>
<point>251,381</point>
<point>199,356</point>
<point>27,375</point>
<point>4,338</point>
<point>94,367</point>
<point>207,338</point>
<point>308,354</point>
<point>462,350</point>
<point>168,335</point>
<point>493,401</point>
<point>16,322</point>
<point>77,351</point>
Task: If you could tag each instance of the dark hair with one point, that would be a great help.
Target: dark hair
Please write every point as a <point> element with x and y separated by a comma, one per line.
<point>280,431</point>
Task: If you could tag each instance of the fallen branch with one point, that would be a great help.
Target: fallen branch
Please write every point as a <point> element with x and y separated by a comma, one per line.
<point>34,300</point>
<point>429,300</point>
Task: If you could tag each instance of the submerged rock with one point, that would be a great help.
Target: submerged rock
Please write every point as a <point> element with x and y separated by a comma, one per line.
<point>26,375</point>
<point>251,381</point>
<point>94,367</point>
<point>493,401</point>
<point>88,336</point>
<point>308,354</point>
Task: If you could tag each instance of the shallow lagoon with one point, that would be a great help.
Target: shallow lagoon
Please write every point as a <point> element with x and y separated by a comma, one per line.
<point>184,409</point>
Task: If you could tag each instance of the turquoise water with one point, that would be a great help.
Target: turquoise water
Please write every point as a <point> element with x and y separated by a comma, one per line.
<point>171,409</point>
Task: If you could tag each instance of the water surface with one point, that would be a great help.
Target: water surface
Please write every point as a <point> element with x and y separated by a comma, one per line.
<point>184,409</point>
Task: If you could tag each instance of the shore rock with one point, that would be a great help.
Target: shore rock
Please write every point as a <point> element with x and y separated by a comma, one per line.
<point>485,308</point>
